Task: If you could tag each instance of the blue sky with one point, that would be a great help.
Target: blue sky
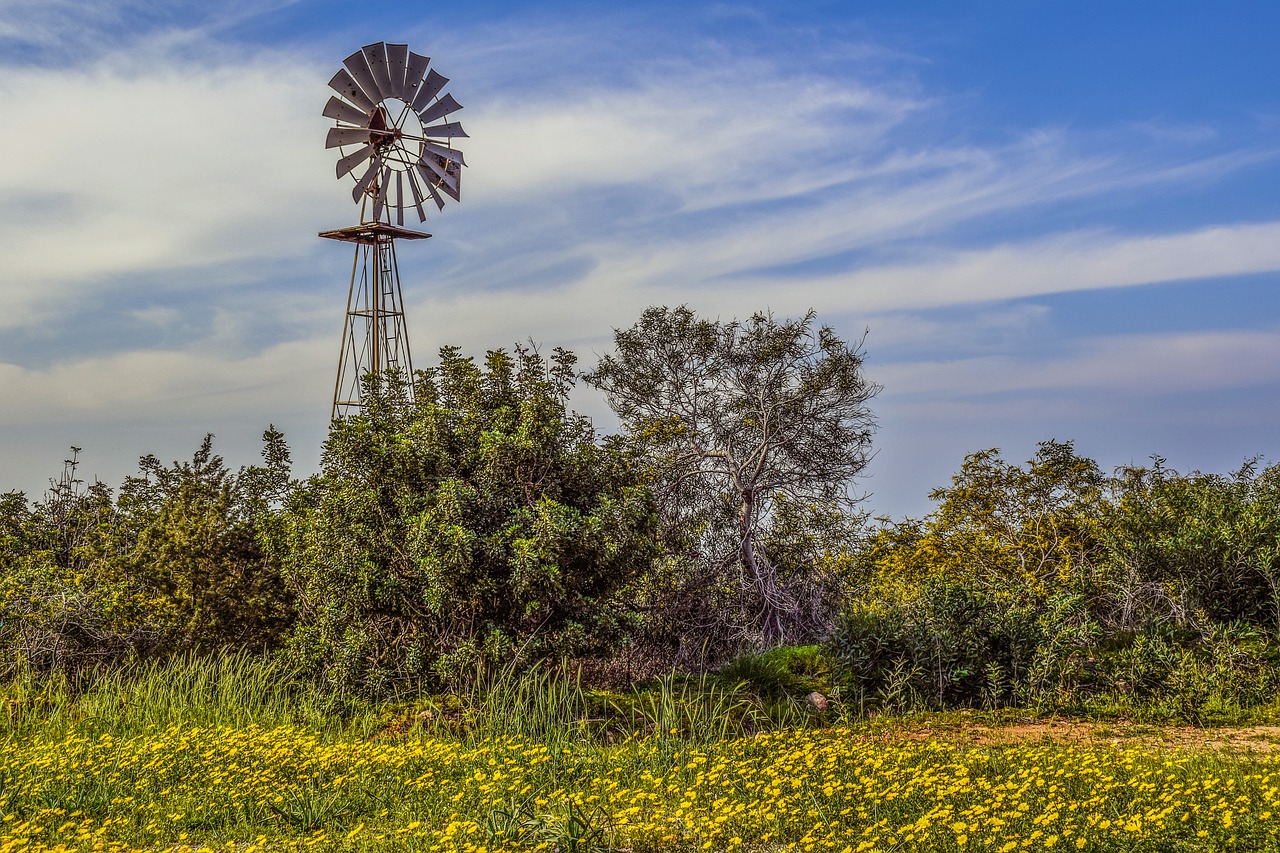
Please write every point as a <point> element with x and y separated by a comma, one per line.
<point>1056,220</point>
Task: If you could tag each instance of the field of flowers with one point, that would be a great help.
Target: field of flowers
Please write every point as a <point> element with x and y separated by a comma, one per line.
<point>837,789</point>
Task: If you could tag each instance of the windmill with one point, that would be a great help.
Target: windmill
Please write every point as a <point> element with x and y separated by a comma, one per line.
<point>392,142</point>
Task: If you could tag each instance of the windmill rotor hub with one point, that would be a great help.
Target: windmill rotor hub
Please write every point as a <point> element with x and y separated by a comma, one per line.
<point>379,135</point>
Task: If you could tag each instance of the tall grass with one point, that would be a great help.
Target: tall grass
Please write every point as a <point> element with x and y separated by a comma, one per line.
<point>702,709</point>
<point>232,689</point>
<point>549,704</point>
<point>542,703</point>
<point>237,689</point>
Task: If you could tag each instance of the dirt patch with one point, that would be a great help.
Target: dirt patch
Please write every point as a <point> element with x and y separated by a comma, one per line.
<point>1262,739</point>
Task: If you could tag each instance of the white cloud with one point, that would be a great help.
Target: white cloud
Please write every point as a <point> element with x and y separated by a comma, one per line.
<point>135,165</point>
<point>626,280</point>
<point>707,136</point>
<point>1134,365</point>
<point>166,383</point>
<point>185,166</point>
<point>1070,262</point>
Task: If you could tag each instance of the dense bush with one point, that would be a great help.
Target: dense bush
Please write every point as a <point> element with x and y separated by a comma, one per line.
<point>1053,585</point>
<point>469,519</point>
<point>1193,548</point>
<point>172,563</point>
<point>949,645</point>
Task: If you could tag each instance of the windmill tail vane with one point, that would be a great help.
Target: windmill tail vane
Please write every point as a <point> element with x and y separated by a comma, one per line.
<point>395,140</point>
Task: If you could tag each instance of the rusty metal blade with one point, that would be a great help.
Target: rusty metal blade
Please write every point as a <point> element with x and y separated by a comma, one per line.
<point>439,109</point>
<point>417,196</point>
<point>428,181</point>
<point>448,130</point>
<point>380,193</point>
<point>346,136</point>
<point>399,199</point>
<point>339,109</point>
<point>397,60</point>
<point>455,172</point>
<point>413,74</point>
<point>447,153</point>
<point>346,86</point>
<point>355,158</point>
<point>358,66</point>
<point>376,56</point>
<point>366,179</point>
<point>428,90</point>
<point>443,178</point>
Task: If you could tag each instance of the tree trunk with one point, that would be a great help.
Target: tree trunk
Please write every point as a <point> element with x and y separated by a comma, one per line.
<point>761,573</point>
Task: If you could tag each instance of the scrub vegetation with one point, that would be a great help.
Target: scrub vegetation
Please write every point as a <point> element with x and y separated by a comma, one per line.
<point>482,625</point>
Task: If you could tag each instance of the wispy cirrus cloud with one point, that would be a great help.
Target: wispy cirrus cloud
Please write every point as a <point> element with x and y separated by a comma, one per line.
<point>1135,365</point>
<point>69,32</point>
<point>1058,264</point>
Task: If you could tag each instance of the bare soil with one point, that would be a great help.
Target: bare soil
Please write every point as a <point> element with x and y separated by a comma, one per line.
<point>1262,739</point>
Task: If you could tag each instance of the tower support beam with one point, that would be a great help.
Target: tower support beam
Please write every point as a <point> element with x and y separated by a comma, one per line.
<point>374,336</point>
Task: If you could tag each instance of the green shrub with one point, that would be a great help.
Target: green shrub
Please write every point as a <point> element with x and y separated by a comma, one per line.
<point>787,671</point>
<point>468,521</point>
<point>949,646</point>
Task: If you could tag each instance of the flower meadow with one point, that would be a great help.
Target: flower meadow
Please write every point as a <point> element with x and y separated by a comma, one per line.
<point>842,789</point>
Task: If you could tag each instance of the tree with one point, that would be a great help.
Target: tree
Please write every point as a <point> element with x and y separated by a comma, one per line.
<point>749,423</point>
<point>478,522</point>
<point>1026,531</point>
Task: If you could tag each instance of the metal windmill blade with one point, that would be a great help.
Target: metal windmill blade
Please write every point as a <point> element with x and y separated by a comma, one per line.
<point>428,89</point>
<point>376,57</point>
<point>366,179</point>
<point>448,130</point>
<point>444,179</point>
<point>447,153</point>
<point>439,109</point>
<point>357,65</point>
<point>339,136</point>
<point>397,62</point>
<point>449,174</point>
<point>340,110</point>
<point>429,180</point>
<point>349,163</point>
<point>417,195</point>
<point>346,86</point>
<point>380,193</point>
<point>413,72</point>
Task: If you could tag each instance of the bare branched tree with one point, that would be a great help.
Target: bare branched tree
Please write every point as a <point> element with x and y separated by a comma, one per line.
<point>748,423</point>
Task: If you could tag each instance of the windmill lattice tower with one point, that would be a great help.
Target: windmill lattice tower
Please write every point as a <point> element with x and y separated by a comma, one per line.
<point>388,98</point>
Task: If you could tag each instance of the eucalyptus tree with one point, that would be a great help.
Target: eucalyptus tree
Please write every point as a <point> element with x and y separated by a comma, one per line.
<point>756,429</point>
